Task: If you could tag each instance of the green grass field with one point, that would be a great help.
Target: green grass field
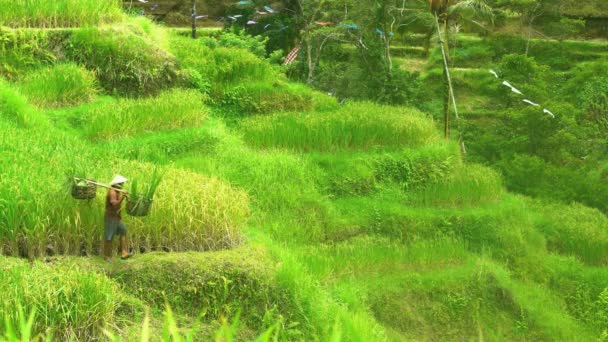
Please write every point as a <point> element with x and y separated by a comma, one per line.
<point>282,214</point>
<point>61,13</point>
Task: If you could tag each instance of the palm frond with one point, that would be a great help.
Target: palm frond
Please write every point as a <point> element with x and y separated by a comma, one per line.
<point>422,18</point>
<point>477,8</point>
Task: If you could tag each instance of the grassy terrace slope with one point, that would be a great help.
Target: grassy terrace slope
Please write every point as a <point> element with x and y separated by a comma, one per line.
<point>61,13</point>
<point>306,219</point>
<point>561,158</point>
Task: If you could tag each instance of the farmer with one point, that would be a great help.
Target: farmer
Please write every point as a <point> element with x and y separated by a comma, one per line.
<point>113,221</point>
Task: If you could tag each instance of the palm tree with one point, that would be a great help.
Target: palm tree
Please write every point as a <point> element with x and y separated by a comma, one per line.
<point>446,12</point>
<point>193,19</point>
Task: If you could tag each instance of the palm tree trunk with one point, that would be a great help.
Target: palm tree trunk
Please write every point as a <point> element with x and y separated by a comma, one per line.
<point>529,39</point>
<point>446,72</point>
<point>193,19</point>
<point>446,98</point>
<point>389,59</point>
<point>311,66</point>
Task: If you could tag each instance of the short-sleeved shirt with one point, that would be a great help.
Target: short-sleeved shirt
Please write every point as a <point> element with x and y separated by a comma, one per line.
<point>113,210</point>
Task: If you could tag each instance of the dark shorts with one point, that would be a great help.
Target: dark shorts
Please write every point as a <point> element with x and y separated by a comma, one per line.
<point>113,227</point>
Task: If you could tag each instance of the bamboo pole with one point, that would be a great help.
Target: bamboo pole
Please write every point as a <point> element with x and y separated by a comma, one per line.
<point>102,185</point>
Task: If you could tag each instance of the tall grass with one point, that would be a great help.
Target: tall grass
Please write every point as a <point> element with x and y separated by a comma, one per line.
<point>222,66</point>
<point>126,60</point>
<point>324,314</point>
<point>69,303</point>
<point>171,331</point>
<point>574,230</point>
<point>367,256</point>
<point>221,283</point>
<point>25,50</point>
<point>470,185</point>
<point>282,187</point>
<point>240,80</point>
<point>267,97</point>
<point>130,59</point>
<point>503,230</point>
<point>349,173</point>
<point>163,147</point>
<point>583,288</point>
<point>60,85</point>
<point>346,174</point>
<point>356,126</point>
<point>14,108</point>
<point>480,300</point>
<point>126,117</point>
<point>412,168</point>
<point>59,13</point>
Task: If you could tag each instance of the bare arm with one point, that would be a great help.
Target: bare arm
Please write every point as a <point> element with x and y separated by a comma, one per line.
<point>115,197</point>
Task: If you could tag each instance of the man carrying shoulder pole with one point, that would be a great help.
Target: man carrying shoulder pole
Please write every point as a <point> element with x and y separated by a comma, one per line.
<point>113,224</point>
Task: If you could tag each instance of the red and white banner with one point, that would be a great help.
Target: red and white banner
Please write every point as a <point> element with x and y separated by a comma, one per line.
<point>292,55</point>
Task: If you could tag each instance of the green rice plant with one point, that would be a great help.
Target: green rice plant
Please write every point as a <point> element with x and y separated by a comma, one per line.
<point>124,61</point>
<point>25,50</point>
<point>369,256</point>
<point>239,40</point>
<point>266,97</point>
<point>14,108</point>
<point>60,85</point>
<point>220,283</point>
<point>223,66</point>
<point>139,202</point>
<point>346,173</point>
<point>228,330</point>
<point>325,315</point>
<point>24,332</point>
<point>150,189</point>
<point>154,183</point>
<point>412,168</point>
<point>582,287</point>
<point>171,332</point>
<point>574,230</point>
<point>59,13</point>
<point>134,190</point>
<point>350,173</point>
<point>324,103</point>
<point>190,212</point>
<point>395,256</point>
<point>356,126</point>
<point>469,185</point>
<point>164,147</point>
<point>69,303</point>
<point>126,117</point>
<point>480,299</point>
<point>504,230</point>
<point>147,28</point>
<point>282,187</point>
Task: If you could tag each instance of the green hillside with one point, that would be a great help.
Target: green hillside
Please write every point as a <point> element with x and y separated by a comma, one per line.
<point>285,213</point>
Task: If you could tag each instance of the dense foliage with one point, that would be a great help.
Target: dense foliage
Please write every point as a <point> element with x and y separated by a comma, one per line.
<point>288,214</point>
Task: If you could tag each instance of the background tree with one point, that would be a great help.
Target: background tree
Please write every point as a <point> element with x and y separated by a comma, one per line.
<point>528,11</point>
<point>316,22</point>
<point>376,24</point>
<point>448,12</point>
